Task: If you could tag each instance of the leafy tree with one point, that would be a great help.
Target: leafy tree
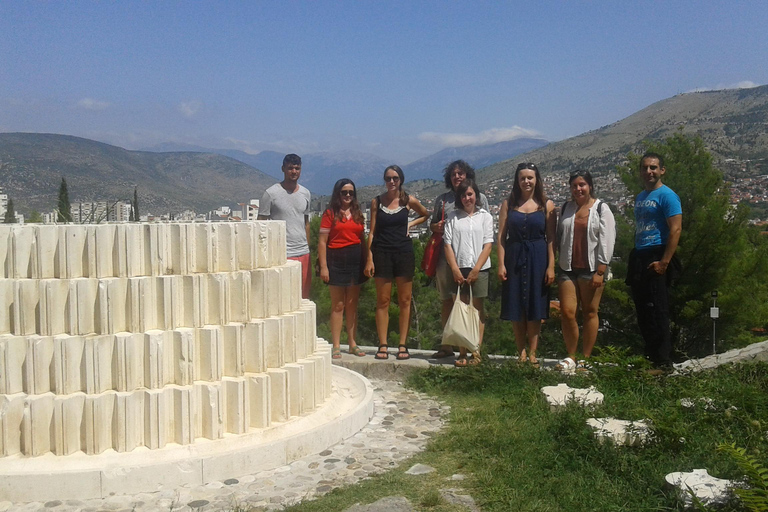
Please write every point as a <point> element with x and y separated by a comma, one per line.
<point>135,205</point>
<point>716,250</point>
<point>64,211</point>
<point>35,217</point>
<point>10,214</point>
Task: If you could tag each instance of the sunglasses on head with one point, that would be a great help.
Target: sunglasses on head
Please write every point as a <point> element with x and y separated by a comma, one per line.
<point>348,193</point>
<point>392,178</point>
<point>577,173</point>
<point>529,165</point>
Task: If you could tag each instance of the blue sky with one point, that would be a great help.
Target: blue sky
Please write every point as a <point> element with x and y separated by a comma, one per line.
<point>397,79</point>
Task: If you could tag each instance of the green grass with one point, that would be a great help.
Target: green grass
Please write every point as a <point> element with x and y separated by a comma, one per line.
<point>519,456</point>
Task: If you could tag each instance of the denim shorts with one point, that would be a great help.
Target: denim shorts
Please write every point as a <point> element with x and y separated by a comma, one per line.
<point>576,273</point>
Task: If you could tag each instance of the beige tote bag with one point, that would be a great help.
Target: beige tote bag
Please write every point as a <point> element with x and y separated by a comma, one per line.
<point>463,326</point>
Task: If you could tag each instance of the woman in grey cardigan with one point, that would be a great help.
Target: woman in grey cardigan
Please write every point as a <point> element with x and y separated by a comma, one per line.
<point>586,234</point>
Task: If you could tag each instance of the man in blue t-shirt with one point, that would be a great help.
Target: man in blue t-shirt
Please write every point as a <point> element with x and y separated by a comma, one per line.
<point>658,224</point>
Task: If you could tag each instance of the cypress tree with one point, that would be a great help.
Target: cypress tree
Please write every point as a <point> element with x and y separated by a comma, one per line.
<point>64,210</point>
<point>10,216</point>
<point>135,205</point>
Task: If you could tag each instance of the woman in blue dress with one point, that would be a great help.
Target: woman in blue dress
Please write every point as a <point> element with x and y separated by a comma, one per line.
<point>527,229</point>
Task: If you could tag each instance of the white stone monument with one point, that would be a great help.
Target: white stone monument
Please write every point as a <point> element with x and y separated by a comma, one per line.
<point>135,357</point>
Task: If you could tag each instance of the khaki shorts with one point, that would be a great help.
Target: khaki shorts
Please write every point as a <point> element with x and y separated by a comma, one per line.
<point>447,286</point>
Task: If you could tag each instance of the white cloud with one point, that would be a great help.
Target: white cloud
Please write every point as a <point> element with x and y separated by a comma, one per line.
<point>190,108</point>
<point>744,84</point>
<point>92,104</point>
<point>491,136</point>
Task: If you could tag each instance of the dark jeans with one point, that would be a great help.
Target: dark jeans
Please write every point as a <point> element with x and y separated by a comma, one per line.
<point>650,292</point>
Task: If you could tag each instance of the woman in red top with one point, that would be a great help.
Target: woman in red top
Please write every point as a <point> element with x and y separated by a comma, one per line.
<point>340,250</point>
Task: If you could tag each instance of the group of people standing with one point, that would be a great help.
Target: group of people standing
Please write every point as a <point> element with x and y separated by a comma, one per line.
<point>529,235</point>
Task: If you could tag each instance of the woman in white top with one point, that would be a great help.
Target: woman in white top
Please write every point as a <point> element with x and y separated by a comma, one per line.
<point>586,235</point>
<point>468,238</point>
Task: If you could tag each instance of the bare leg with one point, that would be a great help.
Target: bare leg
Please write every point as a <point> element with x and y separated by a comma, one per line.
<point>383,294</point>
<point>350,309</point>
<point>337,313</point>
<point>521,337</point>
<point>590,303</point>
<point>533,329</point>
<point>404,289</point>
<point>568,307</point>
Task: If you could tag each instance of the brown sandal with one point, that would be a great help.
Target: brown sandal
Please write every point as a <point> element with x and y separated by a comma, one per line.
<point>382,352</point>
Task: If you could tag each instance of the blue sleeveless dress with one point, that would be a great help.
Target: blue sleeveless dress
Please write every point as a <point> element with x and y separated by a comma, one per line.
<point>524,296</point>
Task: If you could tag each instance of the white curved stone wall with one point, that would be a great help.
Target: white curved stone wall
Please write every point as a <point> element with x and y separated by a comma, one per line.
<point>119,336</point>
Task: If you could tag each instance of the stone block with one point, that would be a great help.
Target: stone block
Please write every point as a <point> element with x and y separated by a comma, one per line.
<point>210,399</point>
<point>11,418</point>
<point>142,304</point>
<point>707,488</point>
<point>98,364</point>
<point>319,387</point>
<point>260,400</point>
<point>274,291</point>
<point>296,388</point>
<point>289,337</point>
<point>37,424</point>
<point>7,306</point>
<point>158,412</point>
<point>26,307</point>
<point>184,356</point>
<point>37,364</point>
<point>258,299</point>
<point>89,263</point>
<point>98,422</point>
<point>128,430</point>
<point>224,252</point>
<point>287,288</point>
<point>262,244</point>
<point>209,354</point>
<point>232,349</point>
<point>215,298</point>
<point>6,252</point>
<point>114,305</point>
<point>105,247</point>
<point>128,361</point>
<point>183,417</point>
<point>254,353</point>
<point>203,249</point>
<point>158,359</point>
<point>54,306</point>
<point>620,432</point>
<point>273,342</point>
<point>68,364</point>
<point>47,242</point>
<point>237,411</point>
<point>280,397</point>
<point>83,306</point>
<point>68,416</point>
<point>73,251</point>
<point>245,245</point>
<point>23,249</point>
<point>177,248</point>
<point>300,333</point>
<point>156,257</point>
<point>194,300</point>
<point>13,353</point>
<point>295,295</point>
<point>559,396</point>
<point>277,247</point>
<point>312,383</point>
<point>239,297</point>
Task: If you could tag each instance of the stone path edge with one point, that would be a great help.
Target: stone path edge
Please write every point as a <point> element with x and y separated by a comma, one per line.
<point>349,408</point>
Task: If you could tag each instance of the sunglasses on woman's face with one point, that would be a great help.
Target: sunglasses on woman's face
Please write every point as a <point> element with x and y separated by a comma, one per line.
<point>392,178</point>
<point>346,193</point>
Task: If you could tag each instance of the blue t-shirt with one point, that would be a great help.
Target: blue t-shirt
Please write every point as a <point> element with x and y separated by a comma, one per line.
<point>652,209</point>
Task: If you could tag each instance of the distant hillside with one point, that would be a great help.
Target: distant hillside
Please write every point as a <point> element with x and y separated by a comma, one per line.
<point>31,166</point>
<point>732,123</point>
<point>431,167</point>
<point>319,170</point>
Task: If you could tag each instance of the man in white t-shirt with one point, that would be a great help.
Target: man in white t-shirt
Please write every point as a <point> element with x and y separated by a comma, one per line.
<point>289,201</point>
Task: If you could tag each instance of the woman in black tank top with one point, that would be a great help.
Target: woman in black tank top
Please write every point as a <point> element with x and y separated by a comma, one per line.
<point>391,255</point>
